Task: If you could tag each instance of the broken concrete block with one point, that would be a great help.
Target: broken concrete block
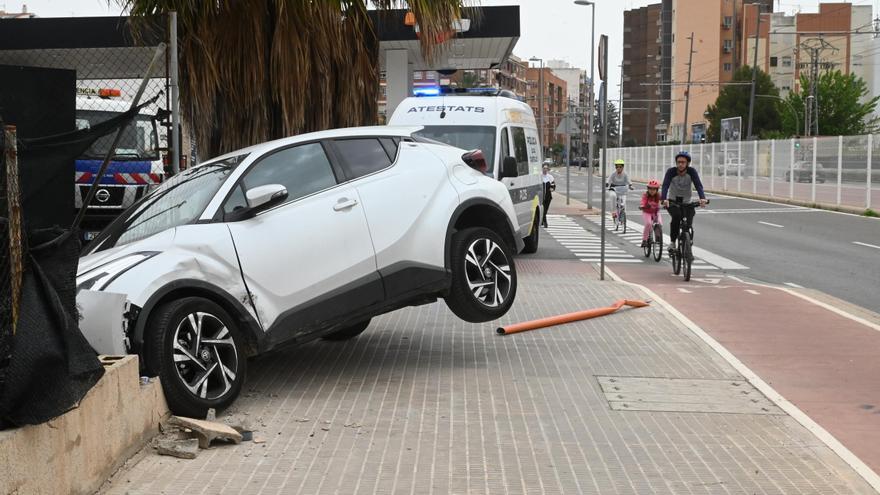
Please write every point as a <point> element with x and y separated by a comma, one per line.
<point>207,431</point>
<point>184,449</point>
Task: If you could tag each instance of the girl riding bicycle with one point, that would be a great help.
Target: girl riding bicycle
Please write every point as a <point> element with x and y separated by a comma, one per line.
<point>650,207</point>
<point>615,180</point>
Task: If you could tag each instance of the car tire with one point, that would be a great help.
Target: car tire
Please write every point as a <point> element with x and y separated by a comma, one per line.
<point>531,242</point>
<point>207,367</point>
<point>348,332</point>
<point>483,275</point>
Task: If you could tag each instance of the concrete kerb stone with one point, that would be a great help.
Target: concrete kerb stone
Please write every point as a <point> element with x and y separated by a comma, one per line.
<point>77,451</point>
<point>788,201</point>
<point>207,431</point>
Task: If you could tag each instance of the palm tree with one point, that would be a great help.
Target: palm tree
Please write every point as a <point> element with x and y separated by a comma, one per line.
<point>255,70</point>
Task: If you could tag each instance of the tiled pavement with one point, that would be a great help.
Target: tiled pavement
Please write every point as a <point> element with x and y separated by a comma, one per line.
<point>425,403</point>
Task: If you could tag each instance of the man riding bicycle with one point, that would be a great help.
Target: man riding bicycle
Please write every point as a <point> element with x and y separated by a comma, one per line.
<point>677,184</point>
<point>615,180</point>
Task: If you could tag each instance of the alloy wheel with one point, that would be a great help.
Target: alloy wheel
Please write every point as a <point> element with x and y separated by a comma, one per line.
<point>205,356</point>
<point>488,272</point>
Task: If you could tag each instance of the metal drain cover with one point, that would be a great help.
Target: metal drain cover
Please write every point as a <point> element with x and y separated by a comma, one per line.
<point>684,395</point>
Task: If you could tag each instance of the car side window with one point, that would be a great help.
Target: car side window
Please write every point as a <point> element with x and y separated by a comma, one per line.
<point>363,156</point>
<point>236,200</point>
<point>521,150</point>
<point>303,170</point>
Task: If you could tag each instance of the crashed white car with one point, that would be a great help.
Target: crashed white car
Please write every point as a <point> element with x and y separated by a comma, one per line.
<point>291,240</point>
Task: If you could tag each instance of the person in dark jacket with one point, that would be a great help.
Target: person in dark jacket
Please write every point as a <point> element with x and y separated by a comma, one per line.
<point>677,184</point>
<point>549,186</point>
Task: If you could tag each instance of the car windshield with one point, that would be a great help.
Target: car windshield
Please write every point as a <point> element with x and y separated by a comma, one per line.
<point>466,137</point>
<point>178,201</point>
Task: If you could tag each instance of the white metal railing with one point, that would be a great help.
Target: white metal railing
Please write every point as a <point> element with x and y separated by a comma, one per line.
<point>835,171</point>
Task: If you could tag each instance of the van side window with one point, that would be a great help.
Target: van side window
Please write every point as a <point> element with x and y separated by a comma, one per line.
<point>505,144</point>
<point>521,150</point>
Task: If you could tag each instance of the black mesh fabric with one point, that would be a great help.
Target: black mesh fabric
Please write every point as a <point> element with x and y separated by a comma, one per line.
<point>52,366</point>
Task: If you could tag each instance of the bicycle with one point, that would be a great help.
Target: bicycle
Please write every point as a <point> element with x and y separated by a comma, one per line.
<point>682,248</point>
<point>619,216</point>
<point>654,244</point>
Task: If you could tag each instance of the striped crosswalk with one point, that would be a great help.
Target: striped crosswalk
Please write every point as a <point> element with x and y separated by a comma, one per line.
<point>633,235</point>
<point>584,244</point>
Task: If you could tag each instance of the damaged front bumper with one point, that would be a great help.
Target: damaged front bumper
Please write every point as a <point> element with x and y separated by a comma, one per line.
<point>105,321</point>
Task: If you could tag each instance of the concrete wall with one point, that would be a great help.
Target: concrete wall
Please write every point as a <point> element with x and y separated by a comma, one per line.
<point>76,452</point>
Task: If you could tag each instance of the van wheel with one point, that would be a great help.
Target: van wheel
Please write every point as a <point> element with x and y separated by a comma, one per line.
<point>198,353</point>
<point>531,242</point>
<point>483,276</point>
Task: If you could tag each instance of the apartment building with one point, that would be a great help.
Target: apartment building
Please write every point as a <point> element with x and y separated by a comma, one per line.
<point>555,94</point>
<point>641,74</point>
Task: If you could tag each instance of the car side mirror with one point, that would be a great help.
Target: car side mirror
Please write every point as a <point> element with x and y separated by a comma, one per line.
<point>264,197</point>
<point>508,167</point>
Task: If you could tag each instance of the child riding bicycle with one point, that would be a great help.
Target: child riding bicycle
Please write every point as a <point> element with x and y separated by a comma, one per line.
<point>650,206</point>
<point>616,180</point>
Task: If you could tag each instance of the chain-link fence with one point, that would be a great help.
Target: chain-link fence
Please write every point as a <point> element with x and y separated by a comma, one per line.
<point>11,245</point>
<point>833,171</point>
<point>110,63</point>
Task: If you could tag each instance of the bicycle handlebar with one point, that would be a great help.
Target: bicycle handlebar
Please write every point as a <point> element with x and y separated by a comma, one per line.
<point>692,204</point>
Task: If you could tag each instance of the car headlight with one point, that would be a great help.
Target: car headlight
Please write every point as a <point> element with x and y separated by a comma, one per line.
<point>100,277</point>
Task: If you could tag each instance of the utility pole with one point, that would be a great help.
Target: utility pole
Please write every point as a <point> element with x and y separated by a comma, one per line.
<point>811,113</point>
<point>620,111</point>
<point>754,72</point>
<point>687,98</point>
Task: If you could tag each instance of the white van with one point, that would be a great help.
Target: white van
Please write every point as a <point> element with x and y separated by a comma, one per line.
<point>502,127</point>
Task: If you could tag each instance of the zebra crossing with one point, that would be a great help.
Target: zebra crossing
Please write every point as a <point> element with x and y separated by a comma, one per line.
<point>633,235</point>
<point>584,244</point>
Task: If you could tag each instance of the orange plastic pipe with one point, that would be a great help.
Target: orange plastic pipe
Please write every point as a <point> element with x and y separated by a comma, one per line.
<point>569,317</point>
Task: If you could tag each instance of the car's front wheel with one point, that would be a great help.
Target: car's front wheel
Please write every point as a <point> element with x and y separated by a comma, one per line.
<point>197,352</point>
<point>483,276</point>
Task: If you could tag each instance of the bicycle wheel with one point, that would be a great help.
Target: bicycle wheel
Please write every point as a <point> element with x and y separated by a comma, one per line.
<point>686,257</point>
<point>648,244</point>
<point>623,220</point>
<point>657,243</point>
<point>676,259</point>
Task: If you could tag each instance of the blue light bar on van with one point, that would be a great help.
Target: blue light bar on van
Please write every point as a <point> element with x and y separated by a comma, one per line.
<point>427,91</point>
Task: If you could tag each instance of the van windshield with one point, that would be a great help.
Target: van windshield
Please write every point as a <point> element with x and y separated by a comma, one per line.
<point>139,139</point>
<point>466,137</point>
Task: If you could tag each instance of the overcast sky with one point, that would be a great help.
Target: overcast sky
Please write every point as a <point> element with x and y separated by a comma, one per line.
<point>549,29</point>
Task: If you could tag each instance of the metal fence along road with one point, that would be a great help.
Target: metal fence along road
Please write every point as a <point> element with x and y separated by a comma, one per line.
<point>832,171</point>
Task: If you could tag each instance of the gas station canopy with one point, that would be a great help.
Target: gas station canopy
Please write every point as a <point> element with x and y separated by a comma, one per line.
<point>485,37</point>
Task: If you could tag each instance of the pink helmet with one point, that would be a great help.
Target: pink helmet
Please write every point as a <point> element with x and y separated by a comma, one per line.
<point>653,184</point>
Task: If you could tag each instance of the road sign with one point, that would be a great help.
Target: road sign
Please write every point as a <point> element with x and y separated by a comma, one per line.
<point>603,57</point>
<point>568,126</point>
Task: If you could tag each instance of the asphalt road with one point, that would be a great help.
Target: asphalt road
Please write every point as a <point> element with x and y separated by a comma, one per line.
<point>838,254</point>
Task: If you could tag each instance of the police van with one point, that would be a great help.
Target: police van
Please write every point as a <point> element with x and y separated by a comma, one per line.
<point>497,123</point>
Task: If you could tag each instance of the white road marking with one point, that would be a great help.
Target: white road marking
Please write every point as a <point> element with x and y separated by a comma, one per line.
<point>708,256</point>
<point>866,244</point>
<point>753,292</point>
<point>614,260</point>
<point>772,224</point>
<point>796,286</point>
<point>821,433</point>
<point>684,291</point>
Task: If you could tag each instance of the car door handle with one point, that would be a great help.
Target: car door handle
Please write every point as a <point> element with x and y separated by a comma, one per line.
<point>344,204</point>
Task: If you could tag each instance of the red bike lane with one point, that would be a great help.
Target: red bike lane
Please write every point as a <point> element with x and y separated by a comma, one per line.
<point>824,363</point>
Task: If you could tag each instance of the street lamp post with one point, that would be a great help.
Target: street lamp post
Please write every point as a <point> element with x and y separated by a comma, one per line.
<point>541,101</point>
<point>592,5</point>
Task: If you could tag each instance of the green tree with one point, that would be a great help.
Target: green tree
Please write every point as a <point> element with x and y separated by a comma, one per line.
<point>843,108</point>
<point>613,124</point>
<point>733,101</point>
<point>255,70</point>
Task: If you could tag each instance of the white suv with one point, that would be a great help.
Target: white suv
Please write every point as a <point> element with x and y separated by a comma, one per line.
<point>291,240</point>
